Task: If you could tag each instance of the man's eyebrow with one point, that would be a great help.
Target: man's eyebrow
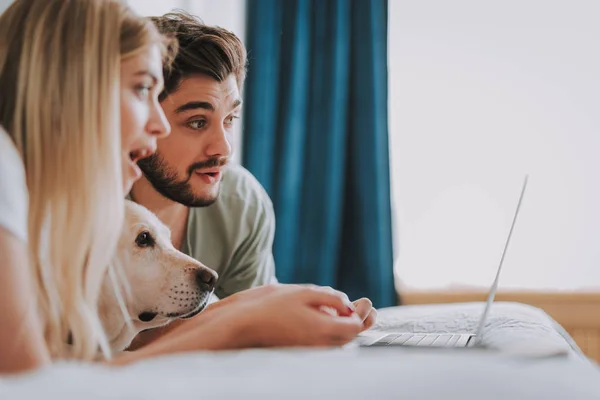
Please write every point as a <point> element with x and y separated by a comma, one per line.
<point>194,105</point>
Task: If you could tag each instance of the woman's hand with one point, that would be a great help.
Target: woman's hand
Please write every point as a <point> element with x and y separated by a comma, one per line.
<point>290,315</point>
<point>266,316</point>
<point>366,312</point>
<point>363,307</point>
<point>270,316</point>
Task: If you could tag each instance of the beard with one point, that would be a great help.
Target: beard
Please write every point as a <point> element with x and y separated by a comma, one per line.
<point>166,181</point>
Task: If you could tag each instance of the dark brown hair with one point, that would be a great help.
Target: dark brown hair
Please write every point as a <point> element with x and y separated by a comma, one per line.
<point>202,49</point>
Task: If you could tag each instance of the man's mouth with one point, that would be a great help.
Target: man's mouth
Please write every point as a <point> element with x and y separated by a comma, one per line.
<point>210,171</point>
<point>209,176</point>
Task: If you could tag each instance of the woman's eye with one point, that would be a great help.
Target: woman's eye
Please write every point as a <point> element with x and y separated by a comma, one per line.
<point>144,239</point>
<point>198,124</point>
<point>143,90</point>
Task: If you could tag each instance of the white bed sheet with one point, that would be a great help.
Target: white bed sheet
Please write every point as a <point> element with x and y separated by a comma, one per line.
<point>351,373</point>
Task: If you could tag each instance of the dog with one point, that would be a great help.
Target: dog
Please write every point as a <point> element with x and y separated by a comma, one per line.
<point>156,282</point>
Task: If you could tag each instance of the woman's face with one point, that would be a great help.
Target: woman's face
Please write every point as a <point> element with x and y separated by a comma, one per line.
<point>142,118</point>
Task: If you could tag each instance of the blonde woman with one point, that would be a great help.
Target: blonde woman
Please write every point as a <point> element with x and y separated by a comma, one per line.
<point>79,85</point>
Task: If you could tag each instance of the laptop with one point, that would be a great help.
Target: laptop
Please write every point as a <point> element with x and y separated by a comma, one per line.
<point>449,339</point>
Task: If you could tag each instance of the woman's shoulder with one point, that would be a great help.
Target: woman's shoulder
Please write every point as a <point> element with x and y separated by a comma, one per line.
<point>13,189</point>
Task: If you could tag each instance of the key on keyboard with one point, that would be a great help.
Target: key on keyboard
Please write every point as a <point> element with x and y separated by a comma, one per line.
<point>414,341</point>
<point>442,340</point>
<point>428,340</point>
<point>452,342</point>
<point>387,339</point>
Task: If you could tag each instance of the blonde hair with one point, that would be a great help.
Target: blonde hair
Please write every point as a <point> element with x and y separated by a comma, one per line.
<point>60,102</point>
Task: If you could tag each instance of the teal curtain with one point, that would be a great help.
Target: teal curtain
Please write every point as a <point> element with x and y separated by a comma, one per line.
<point>316,137</point>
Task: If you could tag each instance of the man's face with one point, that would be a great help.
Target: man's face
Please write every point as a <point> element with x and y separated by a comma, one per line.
<point>188,165</point>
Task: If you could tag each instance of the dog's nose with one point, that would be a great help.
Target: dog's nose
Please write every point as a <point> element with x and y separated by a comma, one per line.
<point>206,279</point>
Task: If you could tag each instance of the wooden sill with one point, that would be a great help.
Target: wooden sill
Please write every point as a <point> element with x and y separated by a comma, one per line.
<point>577,312</point>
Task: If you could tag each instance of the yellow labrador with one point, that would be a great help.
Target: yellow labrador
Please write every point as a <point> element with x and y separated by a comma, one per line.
<point>163,283</point>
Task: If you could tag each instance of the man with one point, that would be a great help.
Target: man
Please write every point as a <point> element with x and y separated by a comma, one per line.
<point>218,213</point>
<point>191,169</point>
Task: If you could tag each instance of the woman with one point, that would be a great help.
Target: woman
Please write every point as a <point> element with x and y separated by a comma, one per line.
<point>79,81</point>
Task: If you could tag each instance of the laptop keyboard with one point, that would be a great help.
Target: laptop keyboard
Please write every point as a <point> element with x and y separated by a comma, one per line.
<point>416,339</point>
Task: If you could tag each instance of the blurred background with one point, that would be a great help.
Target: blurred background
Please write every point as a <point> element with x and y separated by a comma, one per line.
<point>480,94</point>
<point>393,137</point>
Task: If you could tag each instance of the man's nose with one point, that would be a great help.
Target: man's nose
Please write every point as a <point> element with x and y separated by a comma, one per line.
<point>220,145</point>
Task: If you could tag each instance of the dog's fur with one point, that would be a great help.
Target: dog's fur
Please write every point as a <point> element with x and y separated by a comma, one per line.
<point>158,283</point>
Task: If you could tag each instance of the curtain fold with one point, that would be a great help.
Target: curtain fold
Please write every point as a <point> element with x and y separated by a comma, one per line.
<point>316,137</point>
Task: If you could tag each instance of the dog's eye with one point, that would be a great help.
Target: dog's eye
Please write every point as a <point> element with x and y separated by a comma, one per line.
<point>144,239</point>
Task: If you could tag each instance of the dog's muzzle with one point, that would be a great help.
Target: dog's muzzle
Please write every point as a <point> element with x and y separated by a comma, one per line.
<point>206,279</point>
<point>147,316</point>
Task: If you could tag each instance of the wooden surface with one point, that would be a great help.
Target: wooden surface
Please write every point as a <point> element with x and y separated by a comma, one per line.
<point>577,312</point>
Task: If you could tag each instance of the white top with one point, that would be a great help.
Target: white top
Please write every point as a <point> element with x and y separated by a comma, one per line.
<point>13,189</point>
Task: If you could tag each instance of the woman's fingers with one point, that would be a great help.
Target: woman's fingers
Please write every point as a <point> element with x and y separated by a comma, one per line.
<point>322,297</point>
<point>363,307</point>
<point>337,330</point>
<point>333,329</point>
<point>325,289</point>
<point>370,320</point>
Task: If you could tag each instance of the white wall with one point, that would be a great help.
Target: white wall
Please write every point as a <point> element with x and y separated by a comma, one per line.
<point>480,94</point>
<point>229,14</point>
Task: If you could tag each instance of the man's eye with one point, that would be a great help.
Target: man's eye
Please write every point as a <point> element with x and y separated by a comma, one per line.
<point>144,239</point>
<point>198,124</point>
<point>229,120</point>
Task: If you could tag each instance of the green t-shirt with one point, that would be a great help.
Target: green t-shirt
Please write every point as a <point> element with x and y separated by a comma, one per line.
<point>234,235</point>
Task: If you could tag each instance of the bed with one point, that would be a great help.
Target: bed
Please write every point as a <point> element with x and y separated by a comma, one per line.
<point>527,356</point>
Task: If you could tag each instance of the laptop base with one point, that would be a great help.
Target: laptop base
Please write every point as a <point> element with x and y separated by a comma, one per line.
<point>420,340</point>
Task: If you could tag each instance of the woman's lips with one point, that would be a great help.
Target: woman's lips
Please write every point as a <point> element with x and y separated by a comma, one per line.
<point>135,170</point>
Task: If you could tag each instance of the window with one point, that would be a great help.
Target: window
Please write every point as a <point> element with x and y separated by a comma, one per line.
<point>480,94</point>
